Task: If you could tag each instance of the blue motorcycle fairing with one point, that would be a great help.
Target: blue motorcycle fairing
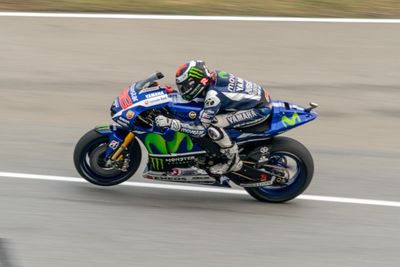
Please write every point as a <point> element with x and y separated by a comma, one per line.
<point>284,116</point>
<point>148,98</point>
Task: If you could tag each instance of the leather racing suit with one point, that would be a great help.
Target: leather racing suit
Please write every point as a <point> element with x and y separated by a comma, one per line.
<point>230,102</point>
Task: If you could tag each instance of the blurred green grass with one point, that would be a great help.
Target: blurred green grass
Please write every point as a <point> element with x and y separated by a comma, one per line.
<point>312,8</point>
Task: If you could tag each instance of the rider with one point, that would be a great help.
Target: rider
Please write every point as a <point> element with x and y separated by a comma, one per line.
<point>229,102</point>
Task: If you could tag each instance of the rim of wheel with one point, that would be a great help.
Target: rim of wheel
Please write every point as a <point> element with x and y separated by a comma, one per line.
<point>91,164</point>
<point>95,159</point>
<point>293,165</point>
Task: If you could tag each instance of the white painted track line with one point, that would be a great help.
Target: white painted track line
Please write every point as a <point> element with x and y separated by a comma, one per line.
<point>184,17</point>
<point>201,189</point>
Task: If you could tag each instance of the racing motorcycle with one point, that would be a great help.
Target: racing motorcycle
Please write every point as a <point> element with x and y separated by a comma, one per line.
<point>275,168</point>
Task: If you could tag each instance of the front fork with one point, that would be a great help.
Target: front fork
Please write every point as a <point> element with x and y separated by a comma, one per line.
<point>127,140</point>
<point>116,159</point>
<point>119,140</point>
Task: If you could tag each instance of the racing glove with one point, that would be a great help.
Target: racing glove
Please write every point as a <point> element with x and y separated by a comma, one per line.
<point>164,122</point>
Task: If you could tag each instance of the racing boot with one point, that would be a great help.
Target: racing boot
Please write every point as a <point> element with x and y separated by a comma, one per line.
<point>233,164</point>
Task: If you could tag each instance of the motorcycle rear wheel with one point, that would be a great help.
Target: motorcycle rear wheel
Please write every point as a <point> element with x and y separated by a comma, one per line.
<point>287,150</point>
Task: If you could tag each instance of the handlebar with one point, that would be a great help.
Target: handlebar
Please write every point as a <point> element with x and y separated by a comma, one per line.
<point>153,77</point>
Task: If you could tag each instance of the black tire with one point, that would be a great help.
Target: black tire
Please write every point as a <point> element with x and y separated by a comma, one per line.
<point>306,163</point>
<point>88,152</point>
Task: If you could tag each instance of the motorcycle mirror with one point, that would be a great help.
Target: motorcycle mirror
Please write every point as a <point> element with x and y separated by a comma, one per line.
<point>159,75</point>
<point>312,106</point>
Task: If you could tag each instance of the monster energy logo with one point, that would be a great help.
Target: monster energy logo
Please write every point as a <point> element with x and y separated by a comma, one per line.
<point>196,73</point>
<point>292,121</point>
<point>158,142</point>
<point>157,164</point>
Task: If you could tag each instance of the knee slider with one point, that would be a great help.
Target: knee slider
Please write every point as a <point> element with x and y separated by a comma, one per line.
<point>215,133</point>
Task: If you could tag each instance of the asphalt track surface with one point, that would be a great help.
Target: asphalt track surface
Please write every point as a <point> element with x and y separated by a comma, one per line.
<point>58,78</point>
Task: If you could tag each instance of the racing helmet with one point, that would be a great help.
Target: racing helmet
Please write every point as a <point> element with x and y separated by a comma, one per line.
<point>192,78</point>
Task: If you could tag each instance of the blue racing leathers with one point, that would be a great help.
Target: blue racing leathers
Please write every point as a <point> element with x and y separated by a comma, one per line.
<point>231,102</point>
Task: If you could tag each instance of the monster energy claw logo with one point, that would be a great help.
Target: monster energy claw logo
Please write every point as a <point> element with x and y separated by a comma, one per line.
<point>157,163</point>
<point>286,121</point>
<point>196,73</point>
<point>158,142</point>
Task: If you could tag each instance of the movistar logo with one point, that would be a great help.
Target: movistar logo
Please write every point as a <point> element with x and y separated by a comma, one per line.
<point>286,121</point>
<point>196,73</point>
<point>157,164</point>
<point>157,142</point>
<point>223,74</point>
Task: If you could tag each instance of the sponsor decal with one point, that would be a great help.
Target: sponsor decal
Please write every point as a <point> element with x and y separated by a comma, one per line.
<point>116,103</point>
<point>124,100</point>
<point>149,89</point>
<point>286,121</point>
<point>266,183</point>
<point>169,178</point>
<point>192,115</point>
<point>132,93</point>
<point>236,84</point>
<point>238,117</point>
<point>123,120</point>
<point>254,89</point>
<point>196,73</point>
<point>263,177</point>
<point>155,141</point>
<point>157,163</point>
<point>155,94</point>
<point>155,100</point>
<point>193,132</point>
<point>103,127</point>
<point>204,81</point>
<point>130,114</point>
<point>113,144</point>
<point>159,100</point>
<point>180,159</point>
<point>223,74</point>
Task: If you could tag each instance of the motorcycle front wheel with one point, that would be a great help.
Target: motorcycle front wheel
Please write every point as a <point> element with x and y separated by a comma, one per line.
<point>89,160</point>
